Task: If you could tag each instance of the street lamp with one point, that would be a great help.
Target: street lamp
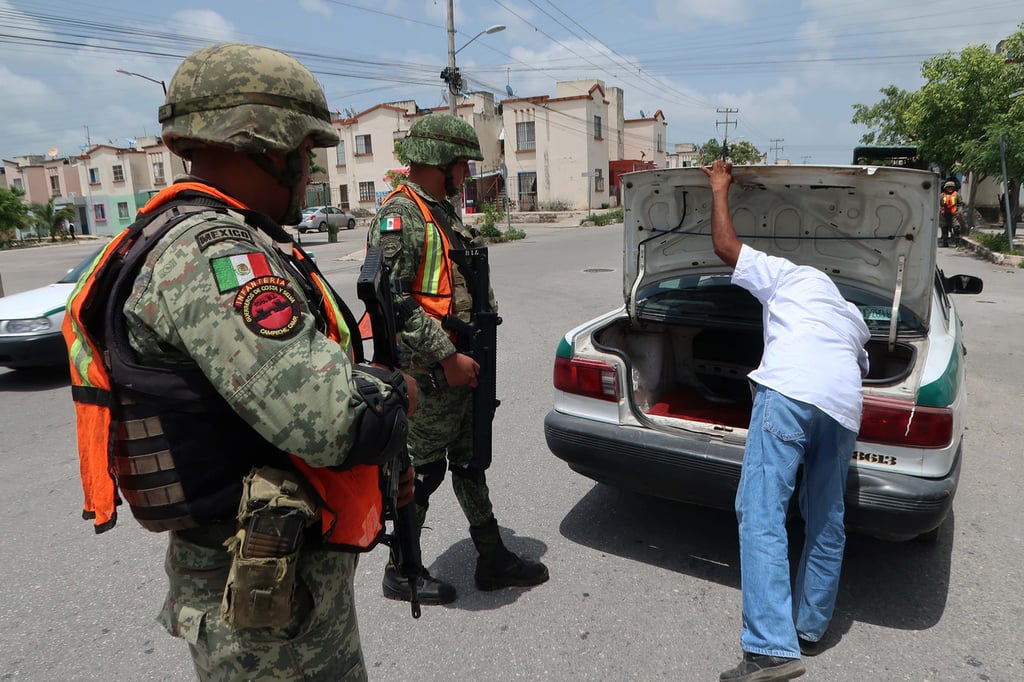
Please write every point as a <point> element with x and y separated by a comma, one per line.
<point>451,74</point>
<point>139,75</point>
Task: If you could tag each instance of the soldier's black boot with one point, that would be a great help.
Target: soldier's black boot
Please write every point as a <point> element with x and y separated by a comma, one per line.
<point>497,567</point>
<point>430,591</point>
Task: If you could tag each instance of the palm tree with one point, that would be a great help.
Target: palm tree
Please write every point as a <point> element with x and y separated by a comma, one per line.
<point>46,219</point>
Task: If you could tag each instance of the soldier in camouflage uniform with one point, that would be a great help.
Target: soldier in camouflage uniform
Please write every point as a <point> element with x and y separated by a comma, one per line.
<point>414,228</point>
<point>247,118</point>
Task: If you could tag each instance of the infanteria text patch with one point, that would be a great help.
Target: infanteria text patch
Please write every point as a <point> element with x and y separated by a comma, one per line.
<point>208,238</point>
<point>268,307</point>
<point>232,272</point>
<point>391,224</point>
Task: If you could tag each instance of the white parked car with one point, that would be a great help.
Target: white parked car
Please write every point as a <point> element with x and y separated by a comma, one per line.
<point>30,334</point>
<point>316,218</point>
<point>653,396</point>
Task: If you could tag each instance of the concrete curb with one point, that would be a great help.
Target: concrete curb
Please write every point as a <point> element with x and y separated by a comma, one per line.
<point>990,255</point>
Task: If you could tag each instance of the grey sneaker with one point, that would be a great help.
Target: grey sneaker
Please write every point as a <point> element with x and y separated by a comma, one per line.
<point>759,668</point>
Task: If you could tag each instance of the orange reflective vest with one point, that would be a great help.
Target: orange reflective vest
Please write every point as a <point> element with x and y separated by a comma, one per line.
<point>172,477</point>
<point>432,287</point>
<point>949,202</point>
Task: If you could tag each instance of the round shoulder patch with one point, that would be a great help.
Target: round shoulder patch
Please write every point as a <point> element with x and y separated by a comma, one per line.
<point>269,307</point>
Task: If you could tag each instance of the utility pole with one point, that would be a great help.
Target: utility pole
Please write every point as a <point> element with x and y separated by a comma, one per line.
<point>453,80</point>
<point>726,123</point>
<point>776,147</point>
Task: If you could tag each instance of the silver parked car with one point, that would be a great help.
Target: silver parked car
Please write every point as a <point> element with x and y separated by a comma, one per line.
<point>653,396</point>
<point>316,218</point>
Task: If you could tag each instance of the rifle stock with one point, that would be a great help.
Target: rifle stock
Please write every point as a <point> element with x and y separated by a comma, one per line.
<point>478,338</point>
<point>374,289</point>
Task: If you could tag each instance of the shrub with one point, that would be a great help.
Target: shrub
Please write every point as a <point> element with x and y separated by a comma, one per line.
<point>995,242</point>
<point>613,216</point>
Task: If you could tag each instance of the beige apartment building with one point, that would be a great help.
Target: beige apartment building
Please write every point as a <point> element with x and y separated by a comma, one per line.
<point>42,178</point>
<point>357,169</point>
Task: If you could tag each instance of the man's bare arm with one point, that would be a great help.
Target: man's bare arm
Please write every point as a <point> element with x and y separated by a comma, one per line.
<point>723,235</point>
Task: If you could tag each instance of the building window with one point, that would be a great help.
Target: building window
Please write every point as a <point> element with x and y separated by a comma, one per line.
<point>598,180</point>
<point>122,209</point>
<point>343,196</point>
<point>366,191</point>
<point>341,153</point>
<point>528,191</point>
<point>94,176</point>
<point>18,184</point>
<point>54,182</point>
<point>157,164</point>
<point>597,128</point>
<point>100,212</point>
<point>363,145</point>
<point>661,144</point>
<point>525,140</point>
<point>118,173</point>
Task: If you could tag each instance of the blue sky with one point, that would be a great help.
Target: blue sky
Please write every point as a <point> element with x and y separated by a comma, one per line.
<point>792,69</point>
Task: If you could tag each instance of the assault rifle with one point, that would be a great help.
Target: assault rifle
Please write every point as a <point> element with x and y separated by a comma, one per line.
<point>478,338</point>
<point>374,289</point>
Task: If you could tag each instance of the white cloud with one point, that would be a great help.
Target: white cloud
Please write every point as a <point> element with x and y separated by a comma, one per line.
<point>316,7</point>
<point>205,24</point>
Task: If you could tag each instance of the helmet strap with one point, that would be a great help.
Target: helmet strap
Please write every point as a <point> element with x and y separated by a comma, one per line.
<point>290,178</point>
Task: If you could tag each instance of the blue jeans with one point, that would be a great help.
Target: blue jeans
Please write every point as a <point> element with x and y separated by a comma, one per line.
<point>783,434</point>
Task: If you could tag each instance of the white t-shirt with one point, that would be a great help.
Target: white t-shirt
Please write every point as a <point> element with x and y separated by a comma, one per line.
<point>813,338</point>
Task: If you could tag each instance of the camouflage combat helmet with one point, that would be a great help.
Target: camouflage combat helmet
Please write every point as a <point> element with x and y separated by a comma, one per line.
<point>247,98</point>
<point>439,139</point>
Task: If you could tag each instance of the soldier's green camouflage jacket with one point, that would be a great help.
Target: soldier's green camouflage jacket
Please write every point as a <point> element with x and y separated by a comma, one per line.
<point>296,390</point>
<point>425,342</point>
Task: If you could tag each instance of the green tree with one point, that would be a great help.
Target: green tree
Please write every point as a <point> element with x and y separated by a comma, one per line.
<point>957,117</point>
<point>46,219</point>
<point>887,118</point>
<point>13,214</point>
<point>742,152</point>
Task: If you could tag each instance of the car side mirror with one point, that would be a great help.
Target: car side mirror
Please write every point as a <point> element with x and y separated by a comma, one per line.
<point>962,284</point>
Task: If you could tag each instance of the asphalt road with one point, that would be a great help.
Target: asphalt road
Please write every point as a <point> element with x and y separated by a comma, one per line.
<point>640,589</point>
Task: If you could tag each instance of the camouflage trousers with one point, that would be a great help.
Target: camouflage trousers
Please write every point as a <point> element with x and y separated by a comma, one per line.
<point>320,643</point>
<point>442,427</point>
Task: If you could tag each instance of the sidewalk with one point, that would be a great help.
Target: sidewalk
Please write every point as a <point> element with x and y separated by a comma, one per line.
<point>998,258</point>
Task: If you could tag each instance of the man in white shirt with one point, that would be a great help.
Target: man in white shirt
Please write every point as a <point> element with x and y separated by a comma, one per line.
<point>807,409</point>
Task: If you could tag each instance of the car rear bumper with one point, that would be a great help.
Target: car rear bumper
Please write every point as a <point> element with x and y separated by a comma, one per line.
<point>38,350</point>
<point>883,504</point>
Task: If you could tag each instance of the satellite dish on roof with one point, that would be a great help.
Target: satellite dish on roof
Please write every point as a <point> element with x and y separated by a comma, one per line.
<point>508,89</point>
<point>642,114</point>
<point>52,153</point>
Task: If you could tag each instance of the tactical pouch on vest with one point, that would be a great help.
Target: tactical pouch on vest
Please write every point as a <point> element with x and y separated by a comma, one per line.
<point>273,515</point>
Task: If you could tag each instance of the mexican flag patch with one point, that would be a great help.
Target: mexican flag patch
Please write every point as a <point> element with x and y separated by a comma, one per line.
<point>391,224</point>
<point>232,272</point>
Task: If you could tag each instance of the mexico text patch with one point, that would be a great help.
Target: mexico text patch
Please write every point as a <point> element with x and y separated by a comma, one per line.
<point>391,224</point>
<point>232,272</point>
<point>208,238</point>
<point>268,307</point>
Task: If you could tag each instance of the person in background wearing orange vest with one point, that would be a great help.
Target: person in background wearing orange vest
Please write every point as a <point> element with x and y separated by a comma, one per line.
<point>242,426</point>
<point>415,228</point>
<point>950,199</point>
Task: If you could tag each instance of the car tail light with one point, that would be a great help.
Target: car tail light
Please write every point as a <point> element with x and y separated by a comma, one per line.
<point>899,422</point>
<point>587,377</point>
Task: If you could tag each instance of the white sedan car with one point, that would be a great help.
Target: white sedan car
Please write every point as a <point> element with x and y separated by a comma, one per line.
<point>316,218</point>
<point>653,396</point>
<point>30,334</point>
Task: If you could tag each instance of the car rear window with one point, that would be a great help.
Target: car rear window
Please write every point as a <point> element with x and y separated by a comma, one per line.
<point>703,298</point>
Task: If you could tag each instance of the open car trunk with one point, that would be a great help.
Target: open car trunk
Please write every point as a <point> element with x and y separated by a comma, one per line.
<point>699,373</point>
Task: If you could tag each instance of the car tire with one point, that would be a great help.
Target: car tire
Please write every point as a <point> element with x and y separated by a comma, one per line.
<point>322,227</point>
<point>301,230</point>
<point>351,223</point>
